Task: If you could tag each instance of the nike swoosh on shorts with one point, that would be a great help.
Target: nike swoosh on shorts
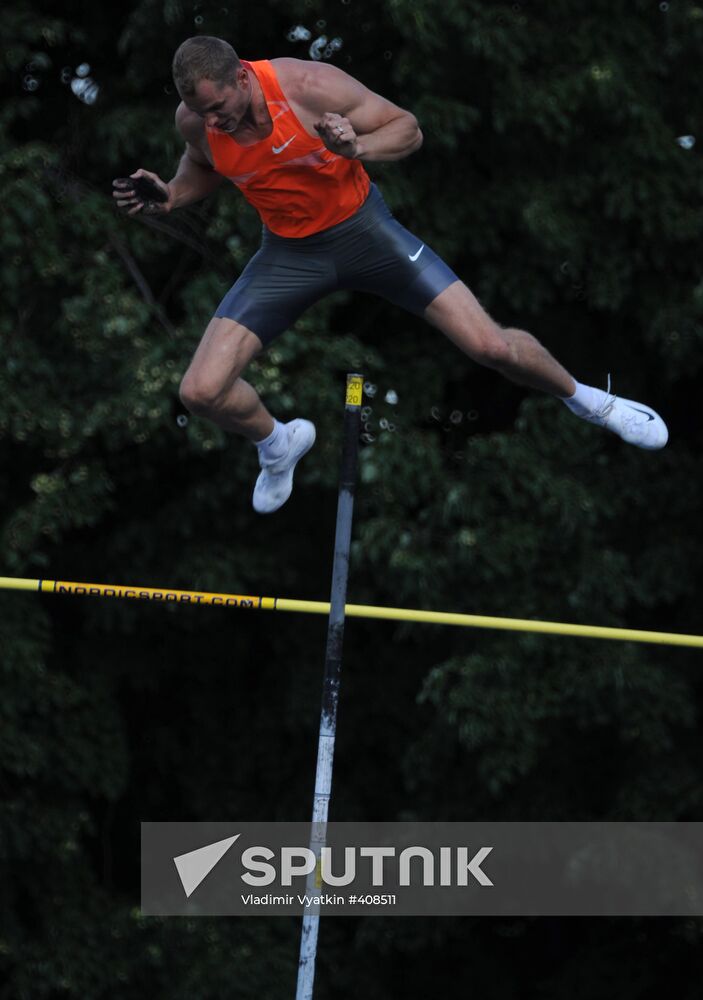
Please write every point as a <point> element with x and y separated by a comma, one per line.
<point>415,256</point>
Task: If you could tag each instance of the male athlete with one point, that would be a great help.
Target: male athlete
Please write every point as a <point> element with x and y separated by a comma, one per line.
<point>293,136</point>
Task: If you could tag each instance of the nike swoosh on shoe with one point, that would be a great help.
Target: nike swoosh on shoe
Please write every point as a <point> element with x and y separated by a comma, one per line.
<point>649,416</point>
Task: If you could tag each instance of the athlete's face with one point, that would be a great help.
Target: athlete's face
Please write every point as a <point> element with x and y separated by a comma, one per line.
<point>222,106</point>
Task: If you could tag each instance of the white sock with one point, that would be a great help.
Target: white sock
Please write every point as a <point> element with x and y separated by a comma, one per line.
<point>276,444</point>
<point>586,399</point>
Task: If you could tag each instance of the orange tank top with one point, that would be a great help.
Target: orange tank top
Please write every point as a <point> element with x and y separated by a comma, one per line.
<point>295,183</point>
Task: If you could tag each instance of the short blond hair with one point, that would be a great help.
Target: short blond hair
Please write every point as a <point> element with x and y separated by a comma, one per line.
<point>203,58</point>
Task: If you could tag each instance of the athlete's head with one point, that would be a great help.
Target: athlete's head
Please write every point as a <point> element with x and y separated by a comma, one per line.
<point>211,81</point>
<point>204,58</point>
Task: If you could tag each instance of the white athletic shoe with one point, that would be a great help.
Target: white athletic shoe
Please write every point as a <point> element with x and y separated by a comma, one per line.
<point>632,421</point>
<point>275,482</point>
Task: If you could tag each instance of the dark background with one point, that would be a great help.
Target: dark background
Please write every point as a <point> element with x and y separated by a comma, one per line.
<point>552,180</point>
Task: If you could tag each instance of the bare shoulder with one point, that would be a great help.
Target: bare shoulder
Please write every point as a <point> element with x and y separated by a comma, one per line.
<point>190,125</point>
<point>290,72</point>
<point>192,129</point>
<point>310,83</point>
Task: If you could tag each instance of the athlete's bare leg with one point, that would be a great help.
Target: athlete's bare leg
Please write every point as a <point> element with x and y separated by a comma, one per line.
<point>212,386</point>
<point>513,353</point>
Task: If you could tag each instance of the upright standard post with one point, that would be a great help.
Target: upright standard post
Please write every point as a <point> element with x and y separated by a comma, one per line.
<point>333,668</point>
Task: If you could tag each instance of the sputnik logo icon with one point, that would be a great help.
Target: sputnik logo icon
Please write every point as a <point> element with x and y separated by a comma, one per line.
<point>196,865</point>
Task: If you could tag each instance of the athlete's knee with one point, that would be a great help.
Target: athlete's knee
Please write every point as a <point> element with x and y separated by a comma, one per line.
<point>201,396</point>
<point>205,393</point>
<point>492,348</point>
<point>211,380</point>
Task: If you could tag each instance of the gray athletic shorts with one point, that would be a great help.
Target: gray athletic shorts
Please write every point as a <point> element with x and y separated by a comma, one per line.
<point>370,252</point>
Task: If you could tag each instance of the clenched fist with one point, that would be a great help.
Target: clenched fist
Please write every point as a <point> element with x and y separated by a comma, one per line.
<point>338,134</point>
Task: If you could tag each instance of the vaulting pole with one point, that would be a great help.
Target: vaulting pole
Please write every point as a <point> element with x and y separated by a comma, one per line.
<point>333,668</point>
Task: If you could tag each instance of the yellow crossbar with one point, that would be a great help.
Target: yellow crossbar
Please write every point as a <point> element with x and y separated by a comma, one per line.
<point>167,595</point>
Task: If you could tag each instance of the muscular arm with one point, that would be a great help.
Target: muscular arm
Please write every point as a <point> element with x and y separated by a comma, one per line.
<point>381,129</point>
<point>195,178</point>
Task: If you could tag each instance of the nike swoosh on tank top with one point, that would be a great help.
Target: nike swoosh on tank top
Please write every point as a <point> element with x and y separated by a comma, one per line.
<point>295,183</point>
